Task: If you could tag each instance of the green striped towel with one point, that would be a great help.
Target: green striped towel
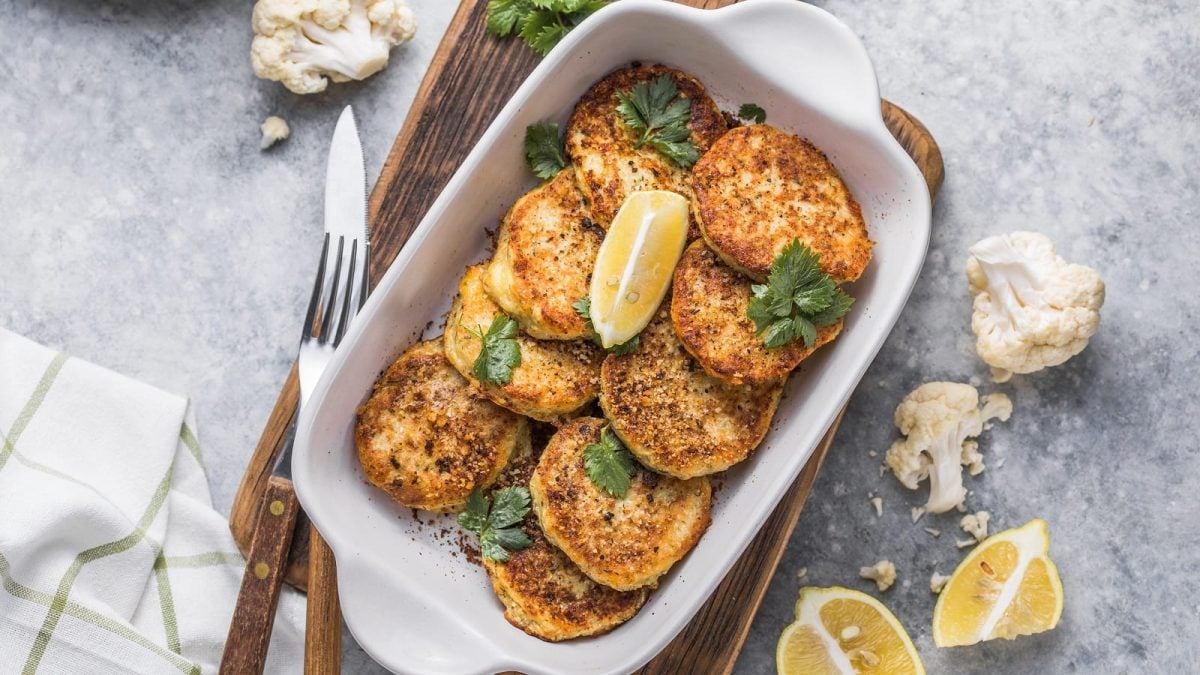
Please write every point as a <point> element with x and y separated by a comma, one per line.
<point>112,559</point>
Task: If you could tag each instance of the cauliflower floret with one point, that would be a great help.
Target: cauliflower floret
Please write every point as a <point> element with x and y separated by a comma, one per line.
<point>306,43</point>
<point>883,573</point>
<point>975,524</point>
<point>274,129</point>
<point>1032,309</point>
<point>937,418</point>
<point>937,582</point>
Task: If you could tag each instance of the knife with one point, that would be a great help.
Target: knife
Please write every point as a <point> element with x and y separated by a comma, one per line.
<point>339,290</point>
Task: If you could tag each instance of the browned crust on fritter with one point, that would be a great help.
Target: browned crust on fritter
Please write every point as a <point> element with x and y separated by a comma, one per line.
<point>600,145</point>
<point>674,416</point>
<point>543,592</point>
<point>555,379</point>
<point>545,251</point>
<point>623,543</point>
<point>759,188</point>
<point>708,308</point>
<point>427,438</point>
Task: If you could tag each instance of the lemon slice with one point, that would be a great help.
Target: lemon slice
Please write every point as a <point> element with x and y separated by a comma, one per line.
<point>1006,587</point>
<point>839,631</point>
<point>635,263</point>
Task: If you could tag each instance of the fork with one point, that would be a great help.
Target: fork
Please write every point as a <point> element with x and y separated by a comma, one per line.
<point>332,305</point>
<point>316,348</point>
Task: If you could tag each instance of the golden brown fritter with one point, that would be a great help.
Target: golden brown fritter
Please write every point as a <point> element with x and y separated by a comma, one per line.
<point>427,438</point>
<point>675,417</point>
<point>555,379</point>
<point>625,543</point>
<point>600,145</point>
<point>544,593</point>
<point>708,308</point>
<point>760,188</point>
<point>545,251</point>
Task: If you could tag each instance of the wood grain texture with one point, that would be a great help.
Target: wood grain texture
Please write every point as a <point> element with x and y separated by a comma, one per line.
<point>471,77</point>
<point>254,615</point>
<point>323,620</point>
<point>243,514</point>
<point>918,143</point>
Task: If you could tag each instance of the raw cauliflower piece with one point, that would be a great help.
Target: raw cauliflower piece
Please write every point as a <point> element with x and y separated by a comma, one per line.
<point>975,524</point>
<point>274,129</point>
<point>883,573</point>
<point>937,418</point>
<point>306,43</point>
<point>937,582</point>
<point>1032,309</point>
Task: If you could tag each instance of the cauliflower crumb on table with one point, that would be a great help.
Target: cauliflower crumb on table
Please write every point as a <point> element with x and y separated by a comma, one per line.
<point>937,582</point>
<point>883,573</point>
<point>274,129</point>
<point>975,524</point>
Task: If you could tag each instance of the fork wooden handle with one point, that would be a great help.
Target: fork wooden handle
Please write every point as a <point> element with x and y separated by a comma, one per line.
<point>323,629</point>
<point>254,616</point>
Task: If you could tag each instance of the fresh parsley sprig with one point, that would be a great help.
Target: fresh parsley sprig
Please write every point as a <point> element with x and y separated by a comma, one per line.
<point>583,307</point>
<point>752,112</point>
<point>609,464</point>
<point>496,524</point>
<point>540,23</point>
<point>798,298</point>
<point>658,116</point>
<point>500,352</point>
<point>544,150</point>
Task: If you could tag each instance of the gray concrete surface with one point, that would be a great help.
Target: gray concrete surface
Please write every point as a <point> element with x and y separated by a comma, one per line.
<point>134,201</point>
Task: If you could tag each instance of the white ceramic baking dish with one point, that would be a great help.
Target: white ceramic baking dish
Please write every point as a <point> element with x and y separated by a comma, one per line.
<point>411,600</point>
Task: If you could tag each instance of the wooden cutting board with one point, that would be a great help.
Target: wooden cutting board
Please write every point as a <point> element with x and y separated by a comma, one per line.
<point>470,79</point>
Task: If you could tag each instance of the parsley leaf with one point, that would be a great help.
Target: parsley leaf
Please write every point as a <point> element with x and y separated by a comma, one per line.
<point>752,112</point>
<point>797,299</point>
<point>583,307</point>
<point>658,116</point>
<point>510,507</point>
<point>540,23</point>
<point>504,16</point>
<point>475,517</point>
<point>609,464</point>
<point>496,524</point>
<point>500,352</point>
<point>544,149</point>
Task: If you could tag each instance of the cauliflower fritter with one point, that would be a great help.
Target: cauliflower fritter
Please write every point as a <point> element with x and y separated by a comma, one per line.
<point>545,251</point>
<point>759,188</point>
<point>624,543</point>
<point>600,145</point>
<point>708,308</point>
<point>543,592</point>
<point>427,438</point>
<point>555,379</point>
<point>676,418</point>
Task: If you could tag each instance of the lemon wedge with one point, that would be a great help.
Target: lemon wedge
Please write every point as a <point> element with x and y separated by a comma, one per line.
<point>839,631</point>
<point>635,263</point>
<point>1006,587</point>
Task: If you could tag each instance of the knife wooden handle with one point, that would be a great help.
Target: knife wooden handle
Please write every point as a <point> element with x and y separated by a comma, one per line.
<point>254,615</point>
<point>323,627</point>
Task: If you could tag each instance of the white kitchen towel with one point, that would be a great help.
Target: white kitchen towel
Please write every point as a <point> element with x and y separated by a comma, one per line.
<point>112,559</point>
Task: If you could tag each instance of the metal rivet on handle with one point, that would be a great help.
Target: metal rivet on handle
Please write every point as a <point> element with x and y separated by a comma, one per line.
<point>261,570</point>
<point>276,508</point>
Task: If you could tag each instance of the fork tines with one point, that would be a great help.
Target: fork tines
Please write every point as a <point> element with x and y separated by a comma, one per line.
<point>329,312</point>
